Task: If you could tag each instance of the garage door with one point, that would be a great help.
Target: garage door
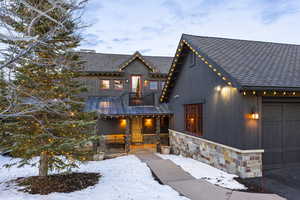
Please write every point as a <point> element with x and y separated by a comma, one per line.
<point>281,134</point>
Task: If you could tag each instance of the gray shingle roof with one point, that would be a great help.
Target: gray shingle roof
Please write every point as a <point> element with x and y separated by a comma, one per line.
<point>252,63</point>
<point>112,62</point>
<point>118,108</point>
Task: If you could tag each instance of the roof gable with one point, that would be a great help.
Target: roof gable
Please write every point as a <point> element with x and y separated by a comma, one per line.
<point>253,63</point>
<point>243,64</point>
<point>183,47</point>
<point>135,56</point>
<point>102,62</point>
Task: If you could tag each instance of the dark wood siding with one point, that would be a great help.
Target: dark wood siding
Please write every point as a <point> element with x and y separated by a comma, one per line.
<point>224,112</point>
<point>92,83</point>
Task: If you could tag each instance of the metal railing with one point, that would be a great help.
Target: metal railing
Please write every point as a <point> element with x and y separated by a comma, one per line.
<point>140,99</point>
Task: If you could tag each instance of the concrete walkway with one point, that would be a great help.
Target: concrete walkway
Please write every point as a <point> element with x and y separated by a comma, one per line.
<point>168,173</point>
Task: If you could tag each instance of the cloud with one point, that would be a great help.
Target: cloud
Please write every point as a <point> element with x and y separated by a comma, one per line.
<point>145,50</point>
<point>271,12</point>
<point>90,39</point>
<point>156,26</point>
<point>121,39</point>
<point>174,8</point>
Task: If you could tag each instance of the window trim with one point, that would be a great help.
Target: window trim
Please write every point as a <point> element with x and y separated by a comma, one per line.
<point>189,109</point>
<point>109,85</point>
<point>162,84</point>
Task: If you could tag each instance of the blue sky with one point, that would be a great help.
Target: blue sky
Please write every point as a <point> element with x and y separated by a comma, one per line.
<point>154,27</point>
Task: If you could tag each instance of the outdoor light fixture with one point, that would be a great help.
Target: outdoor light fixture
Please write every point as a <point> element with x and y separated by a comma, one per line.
<point>145,83</point>
<point>254,116</point>
<point>148,122</point>
<point>123,123</point>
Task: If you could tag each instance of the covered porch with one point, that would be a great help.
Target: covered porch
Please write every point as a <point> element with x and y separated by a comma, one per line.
<point>130,127</point>
<point>134,132</point>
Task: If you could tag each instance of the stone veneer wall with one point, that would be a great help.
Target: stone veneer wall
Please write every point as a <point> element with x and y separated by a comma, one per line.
<point>244,163</point>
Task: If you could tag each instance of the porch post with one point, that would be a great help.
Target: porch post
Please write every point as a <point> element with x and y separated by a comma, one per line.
<point>101,146</point>
<point>128,135</point>
<point>157,131</point>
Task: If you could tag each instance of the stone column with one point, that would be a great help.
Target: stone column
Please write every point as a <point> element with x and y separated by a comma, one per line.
<point>128,135</point>
<point>157,131</point>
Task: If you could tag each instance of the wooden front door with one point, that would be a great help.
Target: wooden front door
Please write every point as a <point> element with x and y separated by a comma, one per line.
<point>136,83</point>
<point>136,132</point>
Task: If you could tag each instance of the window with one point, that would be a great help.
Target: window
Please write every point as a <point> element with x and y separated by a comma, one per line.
<point>118,84</point>
<point>193,118</point>
<point>153,85</point>
<point>104,84</point>
<point>162,84</point>
<point>136,83</point>
<point>104,104</point>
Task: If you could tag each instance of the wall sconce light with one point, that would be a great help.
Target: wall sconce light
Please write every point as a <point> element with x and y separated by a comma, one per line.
<point>254,116</point>
<point>191,120</point>
<point>123,123</point>
<point>218,88</point>
<point>148,122</point>
<point>146,83</point>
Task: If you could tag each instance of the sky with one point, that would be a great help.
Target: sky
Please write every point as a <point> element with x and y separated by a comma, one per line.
<point>154,27</point>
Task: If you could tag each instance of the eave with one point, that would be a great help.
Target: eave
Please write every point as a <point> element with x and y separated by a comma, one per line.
<point>103,73</point>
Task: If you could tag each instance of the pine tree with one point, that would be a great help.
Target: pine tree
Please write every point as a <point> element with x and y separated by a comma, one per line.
<point>55,127</point>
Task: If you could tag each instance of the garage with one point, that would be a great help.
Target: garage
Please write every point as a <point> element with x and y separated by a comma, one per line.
<point>281,132</point>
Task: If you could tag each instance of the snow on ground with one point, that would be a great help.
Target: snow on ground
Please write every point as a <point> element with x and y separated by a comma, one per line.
<point>123,178</point>
<point>203,171</point>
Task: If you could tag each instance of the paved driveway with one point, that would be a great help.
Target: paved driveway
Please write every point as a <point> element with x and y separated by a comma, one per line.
<point>284,182</point>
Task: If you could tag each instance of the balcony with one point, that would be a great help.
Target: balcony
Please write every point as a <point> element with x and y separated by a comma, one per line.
<point>140,99</point>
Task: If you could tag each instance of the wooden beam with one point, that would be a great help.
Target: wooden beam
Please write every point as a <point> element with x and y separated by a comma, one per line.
<point>157,131</point>
<point>128,135</point>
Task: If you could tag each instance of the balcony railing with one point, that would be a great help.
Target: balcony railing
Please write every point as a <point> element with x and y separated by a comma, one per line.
<point>140,99</point>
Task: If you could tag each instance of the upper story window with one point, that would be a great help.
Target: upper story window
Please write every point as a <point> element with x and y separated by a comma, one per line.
<point>104,84</point>
<point>105,104</point>
<point>193,118</point>
<point>118,84</point>
<point>153,85</point>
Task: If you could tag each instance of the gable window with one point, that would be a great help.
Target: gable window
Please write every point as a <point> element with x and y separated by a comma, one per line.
<point>193,118</point>
<point>153,85</point>
<point>118,84</point>
<point>104,84</point>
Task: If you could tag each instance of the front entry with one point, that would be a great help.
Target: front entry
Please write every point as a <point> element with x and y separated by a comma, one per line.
<point>136,132</point>
<point>281,134</point>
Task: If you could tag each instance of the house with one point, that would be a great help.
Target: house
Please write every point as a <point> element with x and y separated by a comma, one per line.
<point>125,90</point>
<point>235,103</point>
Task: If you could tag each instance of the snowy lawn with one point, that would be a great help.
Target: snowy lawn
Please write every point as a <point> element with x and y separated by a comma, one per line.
<point>203,171</point>
<point>125,178</point>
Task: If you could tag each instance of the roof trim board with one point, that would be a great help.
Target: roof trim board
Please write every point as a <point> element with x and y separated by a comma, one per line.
<point>138,55</point>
